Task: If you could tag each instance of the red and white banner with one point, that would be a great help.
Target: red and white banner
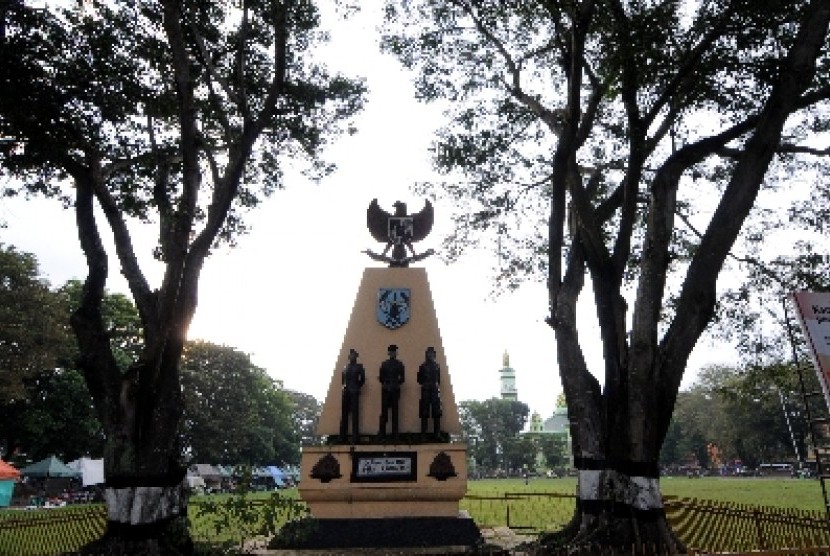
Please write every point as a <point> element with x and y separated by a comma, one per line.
<point>813,309</point>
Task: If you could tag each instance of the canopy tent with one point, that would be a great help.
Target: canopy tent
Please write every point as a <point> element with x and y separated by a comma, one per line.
<point>206,471</point>
<point>91,470</point>
<point>210,475</point>
<point>7,471</point>
<point>49,467</point>
<point>8,475</point>
<point>260,473</point>
<point>293,472</point>
<point>277,474</point>
<point>227,471</point>
<point>194,482</point>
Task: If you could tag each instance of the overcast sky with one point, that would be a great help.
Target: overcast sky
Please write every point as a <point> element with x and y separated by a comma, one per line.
<point>284,294</point>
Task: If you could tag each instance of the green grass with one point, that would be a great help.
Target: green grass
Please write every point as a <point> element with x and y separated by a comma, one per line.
<point>549,513</point>
<point>704,525</point>
<point>802,494</point>
<point>49,531</point>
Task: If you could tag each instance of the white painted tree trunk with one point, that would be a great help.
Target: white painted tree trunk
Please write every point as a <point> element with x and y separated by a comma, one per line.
<point>640,493</point>
<point>145,505</point>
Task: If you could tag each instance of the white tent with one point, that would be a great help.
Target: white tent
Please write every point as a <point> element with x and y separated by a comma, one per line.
<point>92,470</point>
<point>195,482</point>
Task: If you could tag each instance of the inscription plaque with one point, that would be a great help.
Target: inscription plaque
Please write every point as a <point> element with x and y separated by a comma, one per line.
<point>370,467</point>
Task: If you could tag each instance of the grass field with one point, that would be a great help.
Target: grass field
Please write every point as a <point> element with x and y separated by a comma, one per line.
<point>802,494</point>
<point>84,523</point>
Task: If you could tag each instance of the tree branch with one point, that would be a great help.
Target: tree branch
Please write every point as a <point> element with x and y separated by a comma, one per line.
<point>697,298</point>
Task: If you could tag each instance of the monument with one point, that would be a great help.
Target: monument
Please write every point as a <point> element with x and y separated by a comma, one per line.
<point>383,477</point>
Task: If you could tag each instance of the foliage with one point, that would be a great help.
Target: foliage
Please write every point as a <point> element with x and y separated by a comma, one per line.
<point>233,411</point>
<point>643,145</point>
<point>741,412</point>
<point>519,453</point>
<point>553,448</point>
<point>120,319</point>
<point>173,116</point>
<point>238,517</point>
<point>34,334</point>
<point>492,428</point>
<point>59,418</point>
<point>305,414</point>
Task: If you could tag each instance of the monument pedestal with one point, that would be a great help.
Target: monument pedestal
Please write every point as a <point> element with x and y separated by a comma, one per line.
<point>377,491</point>
<point>384,480</point>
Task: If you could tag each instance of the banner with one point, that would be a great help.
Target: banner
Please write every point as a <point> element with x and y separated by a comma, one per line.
<point>813,310</point>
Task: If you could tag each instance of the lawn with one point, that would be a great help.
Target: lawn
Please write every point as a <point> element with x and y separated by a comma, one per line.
<point>234,522</point>
<point>802,494</point>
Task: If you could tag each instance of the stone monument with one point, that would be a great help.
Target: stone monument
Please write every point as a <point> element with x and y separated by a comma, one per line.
<point>386,480</point>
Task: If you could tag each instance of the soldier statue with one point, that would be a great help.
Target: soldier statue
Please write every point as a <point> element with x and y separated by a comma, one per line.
<point>429,377</point>
<point>353,378</point>
<point>391,377</point>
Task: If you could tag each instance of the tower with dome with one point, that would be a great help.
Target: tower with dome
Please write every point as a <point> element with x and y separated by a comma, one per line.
<point>508,380</point>
<point>557,424</point>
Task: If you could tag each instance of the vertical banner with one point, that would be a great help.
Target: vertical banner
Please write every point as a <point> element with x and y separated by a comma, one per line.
<point>813,310</point>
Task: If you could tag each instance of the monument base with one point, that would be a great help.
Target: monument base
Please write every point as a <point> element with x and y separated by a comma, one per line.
<point>369,481</point>
<point>453,534</point>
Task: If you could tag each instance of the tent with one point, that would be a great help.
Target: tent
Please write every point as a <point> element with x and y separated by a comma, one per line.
<point>91,470</point>
<point>293,473</point>
<point>49,467</point>
<point>211,476</point>
<point>8,472</point>
<point>278,475</point>
<point>194,482</point>
<point>8,475</point>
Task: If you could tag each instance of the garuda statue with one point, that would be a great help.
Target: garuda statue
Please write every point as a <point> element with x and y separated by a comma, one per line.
<point>399,231</point>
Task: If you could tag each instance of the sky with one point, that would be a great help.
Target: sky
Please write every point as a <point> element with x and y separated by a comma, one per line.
<point>285,293</point>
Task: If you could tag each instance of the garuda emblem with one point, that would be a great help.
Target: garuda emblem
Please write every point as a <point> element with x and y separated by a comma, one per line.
<point>393,307</point>
<point>399,231</point>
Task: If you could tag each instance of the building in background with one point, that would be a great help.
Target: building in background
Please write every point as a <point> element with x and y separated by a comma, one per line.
<point>508,380</point>
<point>557,424</point>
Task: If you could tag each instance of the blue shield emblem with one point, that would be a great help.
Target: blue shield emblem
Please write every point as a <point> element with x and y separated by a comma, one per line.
<point>393,307</point>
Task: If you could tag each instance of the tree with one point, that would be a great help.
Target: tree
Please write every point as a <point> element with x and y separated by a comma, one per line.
<point>46,407</point>
<point>687,437</point>
<point>519,453</point>
<point>59,418</point>
<point>744,412</point>
<point>34,341</point>
<point>174,114</point>
<point>305,414</point>
<point>34,333</point>
<point>637,137</point>
<point>553,448</point>
<point>491,428</point>
<point>234,413</point>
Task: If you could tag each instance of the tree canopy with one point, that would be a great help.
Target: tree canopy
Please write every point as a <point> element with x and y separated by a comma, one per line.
<point>177,116</point>
<point>643,145</point>
<point>492,428</point>
<point>234,413</point>
<point>34,334</point>
<point>754,415</point>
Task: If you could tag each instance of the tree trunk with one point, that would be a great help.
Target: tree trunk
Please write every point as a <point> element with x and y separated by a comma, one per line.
<point>145,489</point>
<point>149,520</point>
<point>619,512</point>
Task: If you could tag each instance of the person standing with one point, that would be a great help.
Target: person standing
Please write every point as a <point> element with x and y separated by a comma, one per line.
<point>391,377</point>
<point>353,378</point>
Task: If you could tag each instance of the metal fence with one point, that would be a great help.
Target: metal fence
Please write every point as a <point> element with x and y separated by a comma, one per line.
<point>705,526</point>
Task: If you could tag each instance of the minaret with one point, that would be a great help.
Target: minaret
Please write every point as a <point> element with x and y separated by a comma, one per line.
<point>508,380</point>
